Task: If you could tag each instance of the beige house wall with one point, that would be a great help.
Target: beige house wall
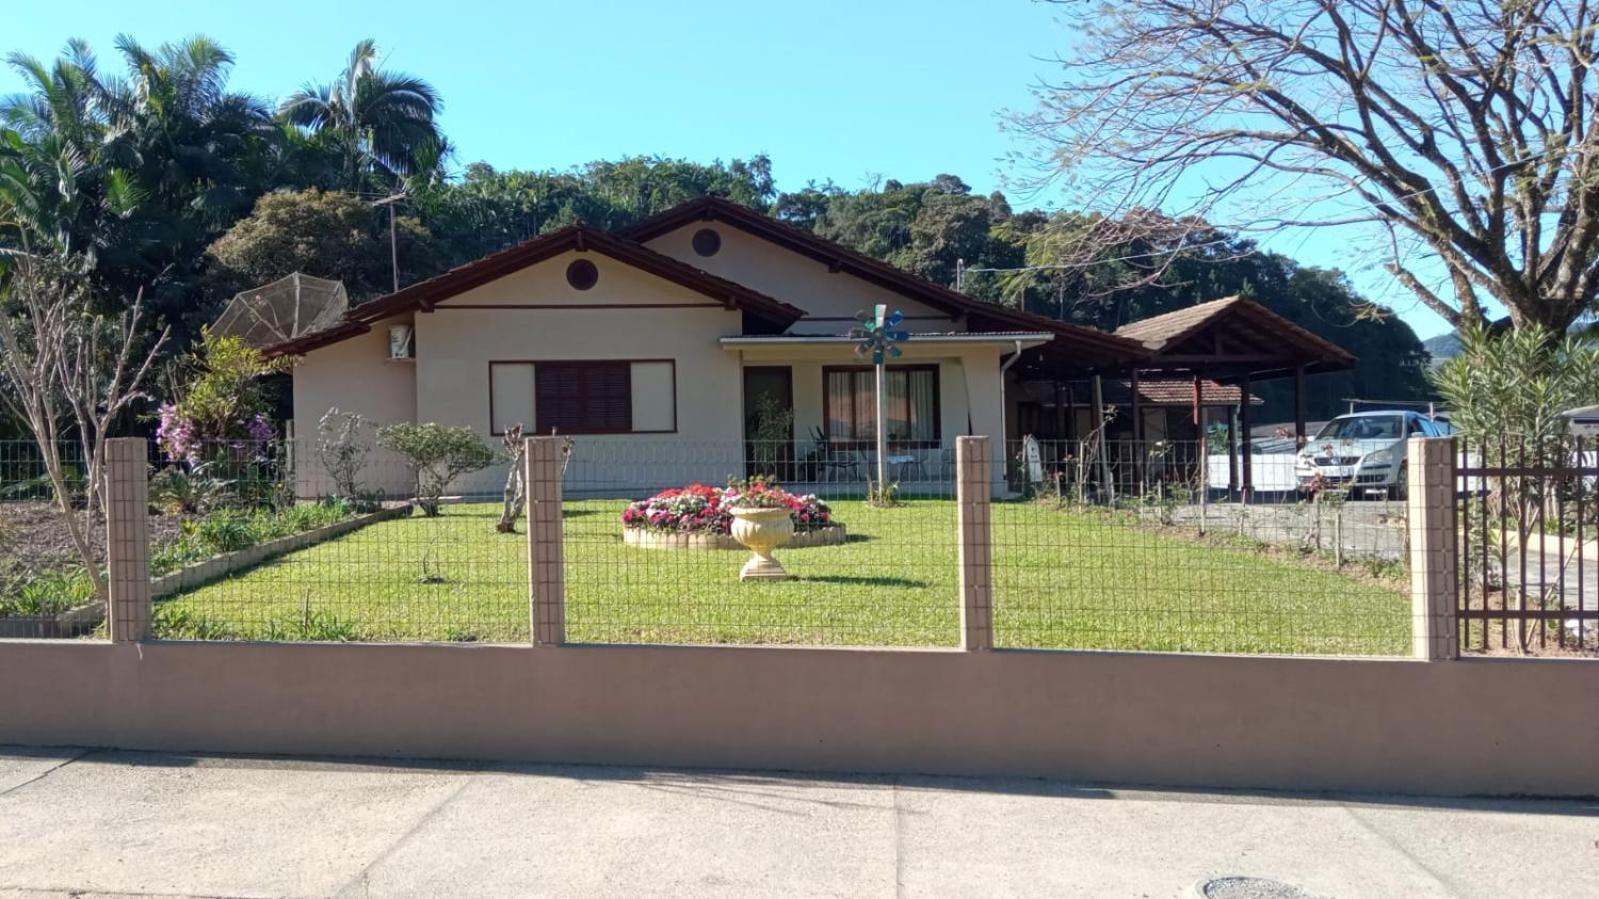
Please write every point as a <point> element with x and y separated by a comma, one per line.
<point>1447,728</point>
<point>355,375</point>
<point>834,297</point>
<point>534,315</point>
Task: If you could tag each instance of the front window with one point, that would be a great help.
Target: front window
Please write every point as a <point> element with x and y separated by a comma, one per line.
<point>1366,427</point>
<point>911,404</point>
<point>622,396</point>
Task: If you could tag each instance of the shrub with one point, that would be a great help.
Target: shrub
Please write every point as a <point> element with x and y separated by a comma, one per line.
<point>343,449</point>
<point>436,456</point>
<point>190,492</point>
<point>1517,383</point>
<point>184,551</point>
<point>49,593</point>
<point>223,402</point>
<point>226,531</point>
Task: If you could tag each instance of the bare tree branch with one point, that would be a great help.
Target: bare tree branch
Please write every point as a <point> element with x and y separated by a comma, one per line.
<point>1466,126</point>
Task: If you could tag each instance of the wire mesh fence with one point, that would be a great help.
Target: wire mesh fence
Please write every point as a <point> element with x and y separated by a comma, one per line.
<point>652,557</point>
<point>277,540</point>
<point>1113,546</point>
<point>1528,516</point>
<point>46,590</point>
<point>1141,546</point>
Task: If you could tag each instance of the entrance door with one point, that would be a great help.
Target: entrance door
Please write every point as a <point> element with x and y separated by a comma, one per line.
<point>769,421</point>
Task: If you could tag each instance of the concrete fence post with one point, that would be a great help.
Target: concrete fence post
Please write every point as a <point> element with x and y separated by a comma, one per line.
<point>546,554</point>
<point>976,551</point>
<point>127,509</point>
<point>1434,545</point>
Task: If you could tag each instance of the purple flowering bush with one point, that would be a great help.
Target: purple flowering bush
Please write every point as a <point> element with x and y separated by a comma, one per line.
<point>222,412</point>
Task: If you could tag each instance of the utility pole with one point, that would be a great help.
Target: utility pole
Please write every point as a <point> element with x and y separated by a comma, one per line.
<point>394,247</point>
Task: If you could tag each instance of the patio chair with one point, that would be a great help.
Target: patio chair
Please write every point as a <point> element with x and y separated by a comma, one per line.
<point>835,460</point>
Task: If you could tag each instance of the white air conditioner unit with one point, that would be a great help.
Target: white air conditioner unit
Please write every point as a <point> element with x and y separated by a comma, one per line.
<point>402,342</point>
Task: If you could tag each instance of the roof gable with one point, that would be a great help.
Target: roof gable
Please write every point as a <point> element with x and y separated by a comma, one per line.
<point>1089,345</point>
<point>762,313</point>
<point>1237,331</point>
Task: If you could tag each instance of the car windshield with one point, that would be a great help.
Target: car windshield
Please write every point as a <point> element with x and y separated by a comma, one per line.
<point>1380,427</point>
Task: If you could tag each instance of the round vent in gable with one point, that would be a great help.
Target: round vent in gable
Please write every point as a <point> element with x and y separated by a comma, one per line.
<point>582,275</point>
<point>707,242</point>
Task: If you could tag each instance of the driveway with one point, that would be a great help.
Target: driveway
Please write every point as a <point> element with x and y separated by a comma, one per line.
<point>143,824</point>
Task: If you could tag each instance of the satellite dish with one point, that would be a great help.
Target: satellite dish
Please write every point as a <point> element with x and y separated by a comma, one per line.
<point>283,310</point>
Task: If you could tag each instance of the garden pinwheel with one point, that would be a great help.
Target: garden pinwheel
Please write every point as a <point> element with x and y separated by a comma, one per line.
<point>878,333</point>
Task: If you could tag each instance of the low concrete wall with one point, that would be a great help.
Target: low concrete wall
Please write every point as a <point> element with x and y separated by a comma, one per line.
<point>1490,726</point>
<point>202,573</point>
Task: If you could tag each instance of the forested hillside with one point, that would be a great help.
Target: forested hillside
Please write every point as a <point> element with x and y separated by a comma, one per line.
<point>162,180</point>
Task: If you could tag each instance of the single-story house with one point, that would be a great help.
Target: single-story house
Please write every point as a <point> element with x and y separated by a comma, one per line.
<point>665,349</point>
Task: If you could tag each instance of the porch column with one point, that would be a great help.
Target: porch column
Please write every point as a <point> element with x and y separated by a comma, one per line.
<point>1232,451</point>
<point>1243,443</point>
<point>1138,431</point>
<point>1099,427</point>
<point>1299,407</point>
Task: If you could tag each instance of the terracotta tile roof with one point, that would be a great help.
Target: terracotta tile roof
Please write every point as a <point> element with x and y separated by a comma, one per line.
<point>1181,393</point>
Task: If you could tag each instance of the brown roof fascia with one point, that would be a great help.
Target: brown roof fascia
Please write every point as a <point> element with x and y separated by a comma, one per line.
<point>308,342</point>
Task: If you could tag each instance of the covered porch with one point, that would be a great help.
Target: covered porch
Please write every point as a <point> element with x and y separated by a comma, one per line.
<point>809,403</point>
<point>1184,411</point>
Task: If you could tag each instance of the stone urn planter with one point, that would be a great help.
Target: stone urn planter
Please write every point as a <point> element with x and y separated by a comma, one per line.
<point>762,531</point>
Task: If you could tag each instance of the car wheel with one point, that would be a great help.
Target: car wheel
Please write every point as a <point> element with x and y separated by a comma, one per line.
<point>1400,491</point>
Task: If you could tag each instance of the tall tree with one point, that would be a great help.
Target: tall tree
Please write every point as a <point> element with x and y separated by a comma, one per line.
<point>137,173</point>
<point>1464,131</point>
<point>490,209</point>
<point>372,120</point>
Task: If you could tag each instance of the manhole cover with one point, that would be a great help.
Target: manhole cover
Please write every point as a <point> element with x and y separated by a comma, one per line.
<point>1250,888</point>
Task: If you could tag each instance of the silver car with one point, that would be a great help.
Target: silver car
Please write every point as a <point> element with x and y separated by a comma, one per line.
<point>1363,452</point>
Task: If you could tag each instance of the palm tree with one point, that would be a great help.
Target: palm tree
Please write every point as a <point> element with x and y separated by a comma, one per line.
<point>136,173</point>
<point>372,119</point>
<point>51,139</point>
<point>175,123</point>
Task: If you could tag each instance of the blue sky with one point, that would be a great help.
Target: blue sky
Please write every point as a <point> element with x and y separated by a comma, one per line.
<point>841,90</point>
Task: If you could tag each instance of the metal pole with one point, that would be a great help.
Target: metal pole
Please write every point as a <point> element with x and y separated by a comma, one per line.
<point>394,250</point>
<point>882,430</point>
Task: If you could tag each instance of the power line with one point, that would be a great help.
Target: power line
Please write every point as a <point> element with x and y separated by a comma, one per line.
<point>961,270</point>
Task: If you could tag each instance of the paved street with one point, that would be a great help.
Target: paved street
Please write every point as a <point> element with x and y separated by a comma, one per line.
<point>124,824</point>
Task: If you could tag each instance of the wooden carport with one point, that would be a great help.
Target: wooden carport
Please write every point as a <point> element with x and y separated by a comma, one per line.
<point>1234,341</point>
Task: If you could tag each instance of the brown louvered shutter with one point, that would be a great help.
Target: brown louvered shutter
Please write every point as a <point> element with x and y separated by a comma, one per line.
<point>608,396</point>
<point>584,397</point>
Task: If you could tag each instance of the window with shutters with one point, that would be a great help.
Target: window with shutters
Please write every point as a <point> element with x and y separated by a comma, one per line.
<point>583,397</point>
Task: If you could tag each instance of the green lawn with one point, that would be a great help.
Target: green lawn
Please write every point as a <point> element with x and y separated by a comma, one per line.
<point>1061,580</point>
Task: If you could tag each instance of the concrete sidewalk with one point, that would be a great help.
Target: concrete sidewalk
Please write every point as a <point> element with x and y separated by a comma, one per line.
<point>114,823</point>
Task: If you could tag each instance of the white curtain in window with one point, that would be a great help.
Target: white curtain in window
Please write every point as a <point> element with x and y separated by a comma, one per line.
<point>921,391</point>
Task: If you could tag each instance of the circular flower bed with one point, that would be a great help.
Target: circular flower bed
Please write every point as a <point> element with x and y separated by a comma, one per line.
<point>701,517</point>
